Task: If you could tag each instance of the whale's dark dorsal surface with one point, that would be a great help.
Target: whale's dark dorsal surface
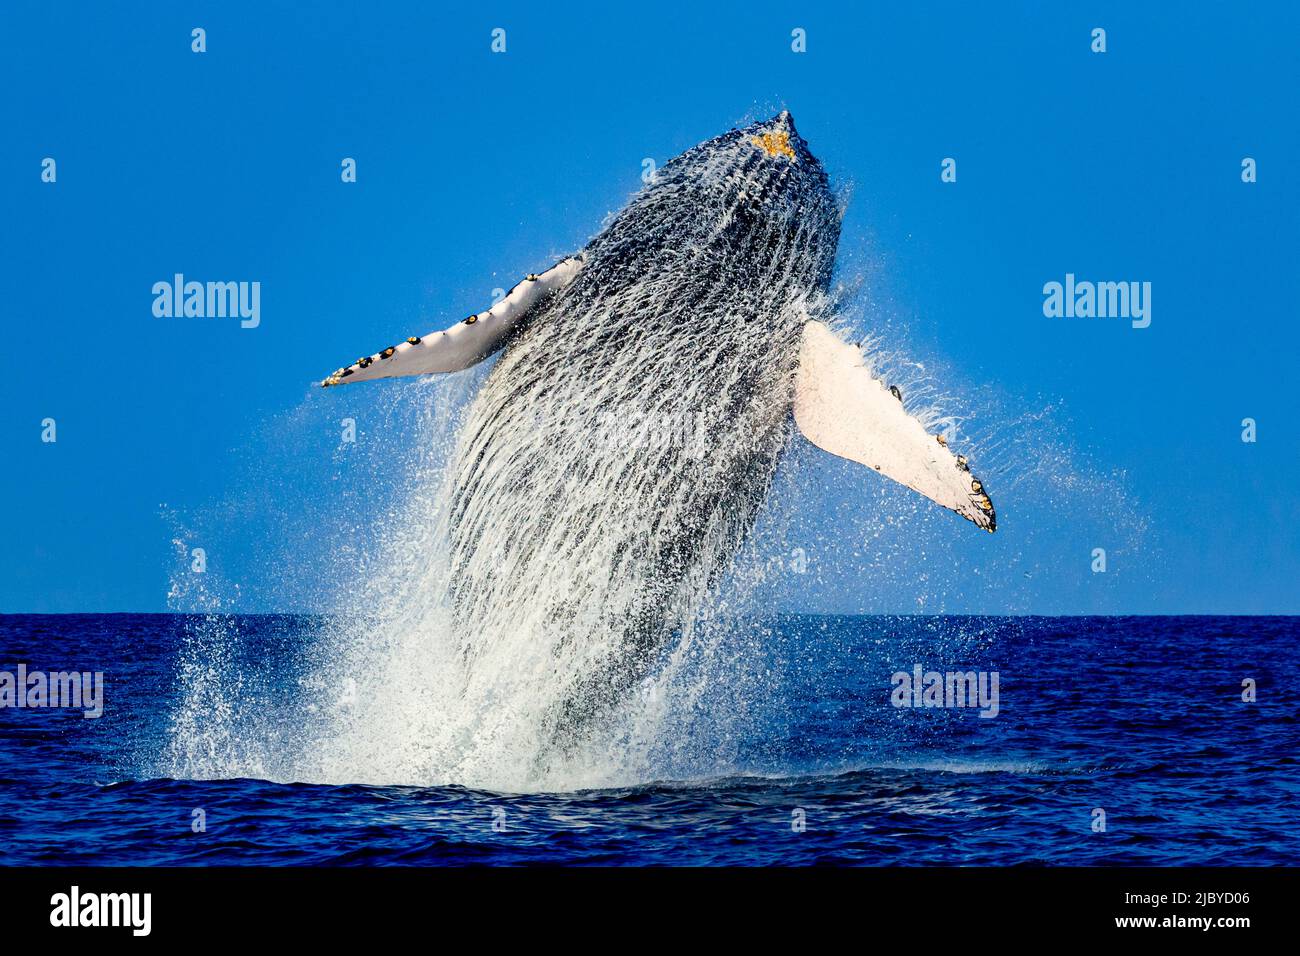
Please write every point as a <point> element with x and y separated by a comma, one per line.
<point>631,428</point>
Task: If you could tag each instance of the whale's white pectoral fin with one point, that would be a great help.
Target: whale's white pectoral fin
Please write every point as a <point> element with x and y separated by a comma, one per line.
<point>841,409</point>
<point>465,343</point>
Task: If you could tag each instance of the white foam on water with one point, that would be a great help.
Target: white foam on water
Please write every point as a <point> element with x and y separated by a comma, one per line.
<point>386,693</point>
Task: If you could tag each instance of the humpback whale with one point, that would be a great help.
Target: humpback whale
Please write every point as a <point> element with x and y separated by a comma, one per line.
<point>662,371</point>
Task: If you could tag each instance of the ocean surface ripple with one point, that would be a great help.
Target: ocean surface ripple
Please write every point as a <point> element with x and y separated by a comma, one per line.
<point>1140,717</point>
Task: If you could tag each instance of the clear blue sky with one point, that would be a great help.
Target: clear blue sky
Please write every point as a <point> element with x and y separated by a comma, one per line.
<point>474,168</point>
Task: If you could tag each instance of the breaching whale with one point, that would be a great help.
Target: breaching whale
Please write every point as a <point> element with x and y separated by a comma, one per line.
<point>661,371</point>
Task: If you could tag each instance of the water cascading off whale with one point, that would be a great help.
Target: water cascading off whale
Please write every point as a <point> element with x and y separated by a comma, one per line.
<point>617,454</point>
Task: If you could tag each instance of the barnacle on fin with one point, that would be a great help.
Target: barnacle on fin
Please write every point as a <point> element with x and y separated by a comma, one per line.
<point>338,375</point>
<point>896,392</point>
<point>962,463</point>
<point>941,440</point>
<point>471,320</point>
<point>388,352</point>
<point>413,340</point>
<point>364,362</point>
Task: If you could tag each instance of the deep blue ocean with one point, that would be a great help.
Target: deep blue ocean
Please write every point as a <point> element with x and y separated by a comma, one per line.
<point>1139,718</point>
